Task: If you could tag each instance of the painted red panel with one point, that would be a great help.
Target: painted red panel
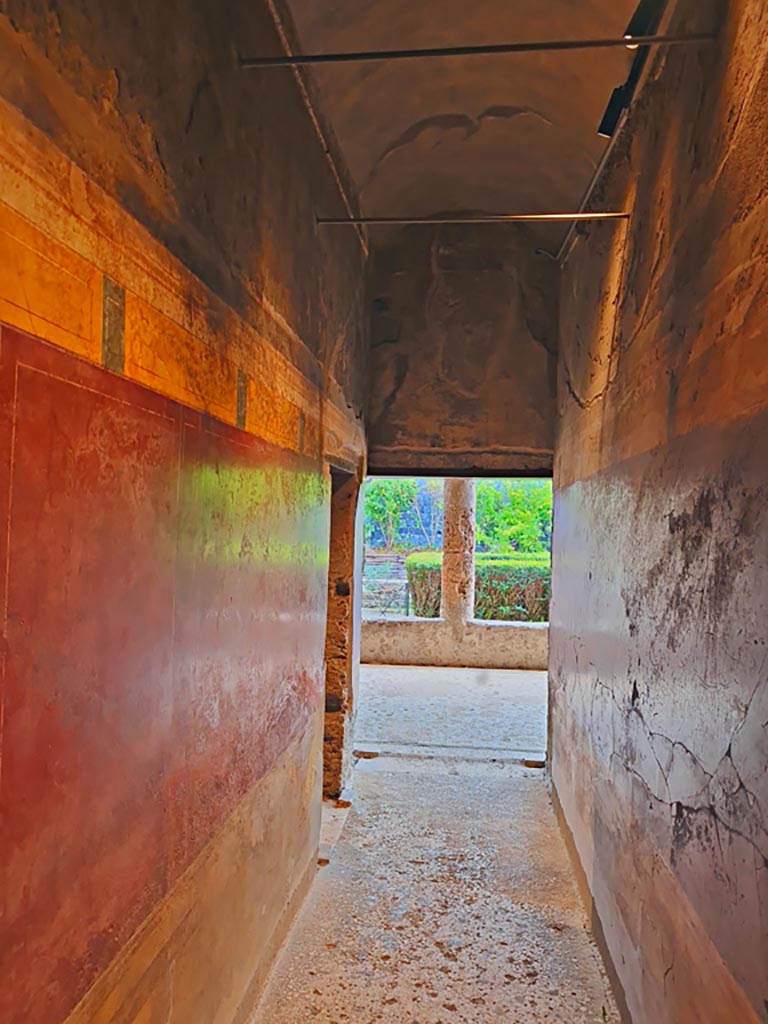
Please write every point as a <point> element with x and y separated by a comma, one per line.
<point>163,612</point>
<point>249,608</point>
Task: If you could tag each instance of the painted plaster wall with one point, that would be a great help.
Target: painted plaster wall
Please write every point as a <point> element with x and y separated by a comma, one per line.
<point>164,624</point>
<point>659,693</point>
<point>220,166</point>
<point>163,453</point>
<point>464,337</point>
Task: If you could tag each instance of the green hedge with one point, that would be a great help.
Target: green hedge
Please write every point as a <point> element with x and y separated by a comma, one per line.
<point>512,587</point>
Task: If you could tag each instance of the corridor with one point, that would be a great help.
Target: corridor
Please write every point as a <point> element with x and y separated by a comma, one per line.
<point>254,255</point>
<point>448,896</point>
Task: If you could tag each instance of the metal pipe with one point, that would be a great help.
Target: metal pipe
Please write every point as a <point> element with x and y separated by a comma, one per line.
<point>494,218</point>
<point>483,50</point>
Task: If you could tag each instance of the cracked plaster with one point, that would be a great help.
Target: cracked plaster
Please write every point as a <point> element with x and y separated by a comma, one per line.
<point>659,690</point>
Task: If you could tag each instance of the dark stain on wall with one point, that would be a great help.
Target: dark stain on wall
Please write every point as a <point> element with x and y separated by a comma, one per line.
<point>718,528</point>
<point>659,652</point>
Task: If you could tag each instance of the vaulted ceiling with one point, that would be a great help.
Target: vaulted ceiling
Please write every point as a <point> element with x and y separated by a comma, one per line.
<point>495,134</point>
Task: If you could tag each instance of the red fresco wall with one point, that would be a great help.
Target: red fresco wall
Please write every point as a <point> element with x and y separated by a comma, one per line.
<point>163,612</point>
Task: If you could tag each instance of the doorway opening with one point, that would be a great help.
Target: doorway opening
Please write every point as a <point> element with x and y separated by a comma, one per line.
<point>457,572</point>
<point>456,588</point>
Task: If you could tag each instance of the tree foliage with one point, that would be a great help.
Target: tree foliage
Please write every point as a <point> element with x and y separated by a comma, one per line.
<point>386,502</point>
<point>514,515</point>
<point>407,514</point>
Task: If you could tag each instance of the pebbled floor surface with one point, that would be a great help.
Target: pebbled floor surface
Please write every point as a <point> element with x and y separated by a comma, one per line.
<point>448,897</point>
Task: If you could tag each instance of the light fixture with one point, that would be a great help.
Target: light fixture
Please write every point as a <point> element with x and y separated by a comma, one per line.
<point>643,23</point>
<point>616,104</point>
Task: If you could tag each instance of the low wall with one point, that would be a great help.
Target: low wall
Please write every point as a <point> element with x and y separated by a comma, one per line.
<point>479,644</point>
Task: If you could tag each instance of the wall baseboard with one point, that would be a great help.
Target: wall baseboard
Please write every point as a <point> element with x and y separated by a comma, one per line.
<point>595,923</point>
<point>246,1012</point>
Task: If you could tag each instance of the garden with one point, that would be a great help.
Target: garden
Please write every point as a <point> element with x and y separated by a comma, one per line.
<point>513,535</point>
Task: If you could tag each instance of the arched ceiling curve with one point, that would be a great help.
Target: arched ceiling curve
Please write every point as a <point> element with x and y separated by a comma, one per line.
<point>496,134</point>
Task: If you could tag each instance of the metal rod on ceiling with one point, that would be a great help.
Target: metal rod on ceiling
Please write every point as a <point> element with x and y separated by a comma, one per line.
<point>494,218</point>
<point>483,50</point>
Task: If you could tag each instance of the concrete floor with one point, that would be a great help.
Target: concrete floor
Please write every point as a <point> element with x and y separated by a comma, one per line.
<point>448,897</point>
<point>480,713</point>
